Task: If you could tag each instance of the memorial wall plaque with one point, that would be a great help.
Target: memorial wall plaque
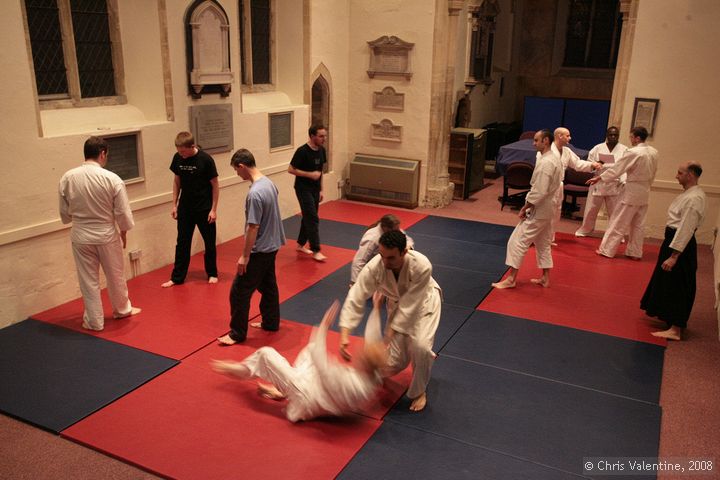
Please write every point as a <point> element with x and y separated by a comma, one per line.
<point>389,99</point>
<point>123,156</point>
<point>212,127</point>
<point>280,130</point>
<point>390,56</point>
<point>385,130</point>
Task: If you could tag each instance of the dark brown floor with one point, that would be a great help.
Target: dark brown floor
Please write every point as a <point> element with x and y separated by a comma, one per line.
<point>690,393</point>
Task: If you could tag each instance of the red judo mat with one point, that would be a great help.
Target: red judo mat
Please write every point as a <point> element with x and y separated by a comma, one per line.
<point>195,423</point>
<point>587,291</point>
<point>361,214</point>
<point>177,321</point>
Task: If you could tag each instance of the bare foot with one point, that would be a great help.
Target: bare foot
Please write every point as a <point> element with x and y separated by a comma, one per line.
<point>212,280</point>
<point>637,259</point>
<point>419,403</point>
<point>256,324</point>
<point>671,333</point>
<point>167,284</point>
<point>319,257</point>
<point>223,366</point>
<point>91,328</point>
<point>507,283</point>
<point>543,282</point>
<point>302,249</point>
<point>602,254</point>
<point>133,311</point>
<point>270,391</point>
<point>226,340</point>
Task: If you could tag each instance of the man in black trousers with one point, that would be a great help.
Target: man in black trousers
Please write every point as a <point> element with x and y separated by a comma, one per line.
<point>307,166</point>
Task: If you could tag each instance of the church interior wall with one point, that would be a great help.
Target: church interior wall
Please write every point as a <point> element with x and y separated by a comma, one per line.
<point>34,245</point>
<point>672,61</point>
<point>329,46</point>
<point>411,21</point>
<point>494,102</point>
<point>541,45</point>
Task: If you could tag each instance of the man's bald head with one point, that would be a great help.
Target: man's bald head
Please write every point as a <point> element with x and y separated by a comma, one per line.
<point>562,136</point>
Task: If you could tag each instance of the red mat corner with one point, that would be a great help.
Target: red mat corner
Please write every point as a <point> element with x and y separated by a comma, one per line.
<point>362,214</point>
<point>194,423</point>
<point>587,291</point>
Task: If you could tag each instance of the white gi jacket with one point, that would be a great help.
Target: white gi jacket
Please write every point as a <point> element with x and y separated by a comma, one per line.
<point>368,248</point>
<point>546,180</point>
<point>407,298</point>
<point>613,187</point>
<point>325,386</point>
<point>93,199</point>
<point>640,164</point>
<point>569,159</point>
<point>685,215</point>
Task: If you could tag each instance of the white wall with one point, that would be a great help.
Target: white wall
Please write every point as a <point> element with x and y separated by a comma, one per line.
<point>35,255</point>
<point>411,21</point>
<point>674,60</point>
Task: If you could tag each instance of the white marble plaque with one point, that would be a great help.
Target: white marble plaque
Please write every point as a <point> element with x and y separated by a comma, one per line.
<point>212,126</point>
<point>385,130</point>
<point>389,55</point>
<point>389,99</point>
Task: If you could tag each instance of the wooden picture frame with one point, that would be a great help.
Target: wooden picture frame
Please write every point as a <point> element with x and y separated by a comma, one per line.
<point>645,113</point>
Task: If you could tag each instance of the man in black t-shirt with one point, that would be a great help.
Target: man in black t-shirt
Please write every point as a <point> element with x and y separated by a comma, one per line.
<point>195,199</point>
<point>307,166</point>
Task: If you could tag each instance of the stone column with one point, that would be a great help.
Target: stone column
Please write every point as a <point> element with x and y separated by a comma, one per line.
<point>629,9</point>
<point>439,189</point>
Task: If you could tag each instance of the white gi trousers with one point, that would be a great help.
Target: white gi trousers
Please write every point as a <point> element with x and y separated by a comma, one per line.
<point>592,207</point>
<point>268,364</point>
<point>88,260</point>
<point>559,200</point>
<point>626,220</point>
<point>527,232</point>
<point>416,349</point>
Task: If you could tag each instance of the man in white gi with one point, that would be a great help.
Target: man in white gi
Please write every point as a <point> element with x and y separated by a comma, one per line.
<point>568,159</point>
<point>536,215</point>
<point>317,385</point>
<point>404,277</point>
<point>603,193</point>
<point>671,292</point>
<point>369,246</point>
<point>95,201</point>
<point>640,163</point>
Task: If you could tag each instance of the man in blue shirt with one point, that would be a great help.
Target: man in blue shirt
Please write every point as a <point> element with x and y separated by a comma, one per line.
<point>264,235</point>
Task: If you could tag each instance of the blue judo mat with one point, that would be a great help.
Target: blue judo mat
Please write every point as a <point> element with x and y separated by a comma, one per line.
<point>53,377</point>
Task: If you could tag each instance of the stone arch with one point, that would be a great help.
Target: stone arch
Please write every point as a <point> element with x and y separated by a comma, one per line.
<point>321,106</point>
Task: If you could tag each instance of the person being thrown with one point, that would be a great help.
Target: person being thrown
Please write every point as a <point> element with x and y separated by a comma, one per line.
<point>317,385</point>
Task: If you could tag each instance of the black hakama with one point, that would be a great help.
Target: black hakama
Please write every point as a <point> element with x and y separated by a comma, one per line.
<point>670,295</point>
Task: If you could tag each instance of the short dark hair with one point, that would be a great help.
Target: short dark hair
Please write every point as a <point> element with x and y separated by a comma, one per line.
<point>613,127</point>
<point>312,131</point>
<point>94,146</point>
<point>547,133</point>
<point>394,239</point>
<point>640,132</point>
<point>695,169</point>
<point>243,156</point>
<point>389,221</point>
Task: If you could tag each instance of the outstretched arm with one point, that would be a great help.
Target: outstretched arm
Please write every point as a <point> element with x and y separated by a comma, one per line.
<point>373,332</point>
<point>318,339</point>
